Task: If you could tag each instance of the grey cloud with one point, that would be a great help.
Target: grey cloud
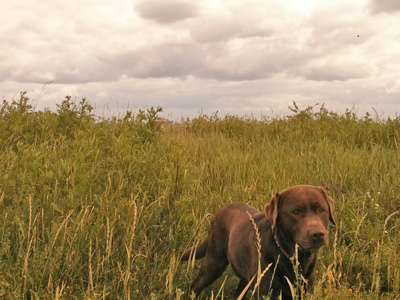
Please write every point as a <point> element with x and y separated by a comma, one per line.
<point>223,29</point>
<point>253,60</point>
<point>387,6</point>
<point>331,71</point>
<point>165,12</point>
<point>240,20</point>
<point>249,59</point>
<point>166,60</point>
<point>79,69</point>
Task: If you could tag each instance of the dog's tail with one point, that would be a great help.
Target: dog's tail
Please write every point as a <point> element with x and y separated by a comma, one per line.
<point>197,252</point>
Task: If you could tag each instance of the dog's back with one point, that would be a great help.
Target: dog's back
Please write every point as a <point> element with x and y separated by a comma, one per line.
<point>231,239</point>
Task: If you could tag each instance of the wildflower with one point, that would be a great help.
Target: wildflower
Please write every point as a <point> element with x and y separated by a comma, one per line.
<point>349,291</point>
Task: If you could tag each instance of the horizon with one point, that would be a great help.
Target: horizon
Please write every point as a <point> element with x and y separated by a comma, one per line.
<point>292,109</point>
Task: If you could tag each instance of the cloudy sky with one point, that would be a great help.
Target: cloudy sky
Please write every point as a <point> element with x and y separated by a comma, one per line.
<point>247,57</point>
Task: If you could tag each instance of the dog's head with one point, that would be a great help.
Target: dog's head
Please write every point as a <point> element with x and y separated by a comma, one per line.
<point>301,215</point>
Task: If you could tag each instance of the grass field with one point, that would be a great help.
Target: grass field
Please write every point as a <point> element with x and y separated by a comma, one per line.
<point>94,208</point>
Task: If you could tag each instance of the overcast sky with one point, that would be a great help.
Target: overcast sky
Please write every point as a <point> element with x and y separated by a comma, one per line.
<point>247,57</point>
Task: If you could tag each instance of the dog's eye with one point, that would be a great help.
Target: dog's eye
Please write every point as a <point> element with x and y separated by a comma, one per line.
<point>321,210</point>
<point>296,212</point>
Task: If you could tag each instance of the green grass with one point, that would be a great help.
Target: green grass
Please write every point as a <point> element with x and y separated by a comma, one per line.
<point>103,208</point>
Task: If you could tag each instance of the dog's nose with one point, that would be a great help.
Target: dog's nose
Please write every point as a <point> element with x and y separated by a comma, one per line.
<point>318,235</point>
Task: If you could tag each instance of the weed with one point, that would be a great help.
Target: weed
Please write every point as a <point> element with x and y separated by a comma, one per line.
<point>102,208</point>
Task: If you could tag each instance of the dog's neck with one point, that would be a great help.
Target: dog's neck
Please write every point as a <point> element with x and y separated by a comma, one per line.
<point>288,252</point>
<point>277,242</point>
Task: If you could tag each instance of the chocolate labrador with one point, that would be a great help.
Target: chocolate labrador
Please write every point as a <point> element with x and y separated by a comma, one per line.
<point>297,215</point>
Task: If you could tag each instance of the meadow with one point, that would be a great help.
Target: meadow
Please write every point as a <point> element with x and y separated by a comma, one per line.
<point>102,208</point>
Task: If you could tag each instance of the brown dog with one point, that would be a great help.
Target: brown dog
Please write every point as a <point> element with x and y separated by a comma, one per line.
<point>297,215</point>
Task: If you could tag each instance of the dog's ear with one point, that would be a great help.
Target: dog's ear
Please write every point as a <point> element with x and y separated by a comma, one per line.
<point>331,205</point>
<point>271,210</point>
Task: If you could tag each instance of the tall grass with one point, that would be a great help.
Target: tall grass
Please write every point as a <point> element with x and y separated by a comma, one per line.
<point>103,208</point>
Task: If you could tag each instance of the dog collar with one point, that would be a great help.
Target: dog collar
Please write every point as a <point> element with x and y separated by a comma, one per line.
<point>274,234</point>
